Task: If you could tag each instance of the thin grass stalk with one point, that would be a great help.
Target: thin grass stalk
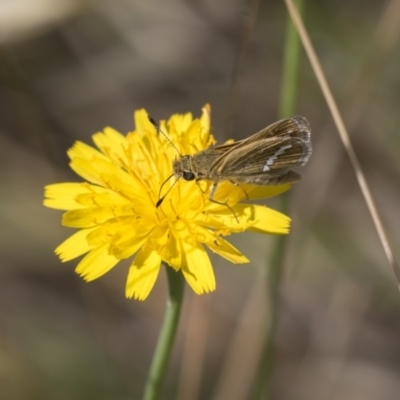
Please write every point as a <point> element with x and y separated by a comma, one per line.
<point>262,388</point>
<point>344,136</point>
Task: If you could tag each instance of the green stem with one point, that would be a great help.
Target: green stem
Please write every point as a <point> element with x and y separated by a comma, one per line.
<point>290,68</point>
<point>166,337</point>
<point>263,387</point>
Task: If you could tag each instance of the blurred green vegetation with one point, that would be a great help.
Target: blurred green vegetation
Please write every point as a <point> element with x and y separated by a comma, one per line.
<point>70,68</point>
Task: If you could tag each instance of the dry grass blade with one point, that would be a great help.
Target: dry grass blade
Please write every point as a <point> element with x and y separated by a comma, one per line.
<point>297,21</point>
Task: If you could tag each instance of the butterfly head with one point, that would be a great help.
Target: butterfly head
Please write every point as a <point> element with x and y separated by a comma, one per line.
<point>183,168</point>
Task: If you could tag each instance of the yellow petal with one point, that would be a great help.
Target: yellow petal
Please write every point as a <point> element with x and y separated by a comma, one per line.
<point>228,251</point>
<point>172,253</point>
<point>197,268</point>
<point>82,150</point>
<point>257,218</point>
<point>202,234</point>
<point>62,196</point>
<point>70,196</point>
<point>134,191</point>
<point>105,173</point>
<point>264,192</point>
<point>143,274</point>
<point>264,219</point>
<point>130,237</point>
<point>228,192</point>
<point>89,169</point>
<point>186,199</point>
<point>180,229</point>
<point>102,172</point>
<point>178,124</point>
<point>91,216</point>
<point>108,232</point>
<point>142,123</point>
<point>205,118</point>
<point>106,199</point>
<point>113,145</point>
<point>223,221</point>
<point>74,246</point>
<point>191,140</point>
<point>129,247</point>
<point>96,263</point>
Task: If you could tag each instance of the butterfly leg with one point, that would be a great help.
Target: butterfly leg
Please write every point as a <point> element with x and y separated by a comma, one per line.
<point>211,198</point>
<point>236,184</point>
<point>198,184</point>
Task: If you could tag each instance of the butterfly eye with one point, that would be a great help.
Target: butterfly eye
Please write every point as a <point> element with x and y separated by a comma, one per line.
<point>188,175</point>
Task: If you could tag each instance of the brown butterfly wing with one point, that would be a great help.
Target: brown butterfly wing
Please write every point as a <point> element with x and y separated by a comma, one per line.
<point>296,126</point>
<point>264,156</point>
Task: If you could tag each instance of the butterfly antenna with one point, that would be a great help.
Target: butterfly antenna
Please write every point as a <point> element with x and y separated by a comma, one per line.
<point>161,199</point>
<point>158,129</point>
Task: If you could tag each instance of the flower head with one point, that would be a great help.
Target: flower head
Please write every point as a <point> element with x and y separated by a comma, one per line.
<point>116,214</point>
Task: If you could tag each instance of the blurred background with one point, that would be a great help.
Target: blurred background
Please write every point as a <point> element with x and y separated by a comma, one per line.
<point>68,68</point>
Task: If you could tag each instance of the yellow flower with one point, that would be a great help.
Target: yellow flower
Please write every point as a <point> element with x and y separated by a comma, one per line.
<point>115,209</point>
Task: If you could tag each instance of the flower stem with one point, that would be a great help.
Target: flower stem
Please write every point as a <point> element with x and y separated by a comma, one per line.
<point>263,387</point>
<point>158,369</point>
